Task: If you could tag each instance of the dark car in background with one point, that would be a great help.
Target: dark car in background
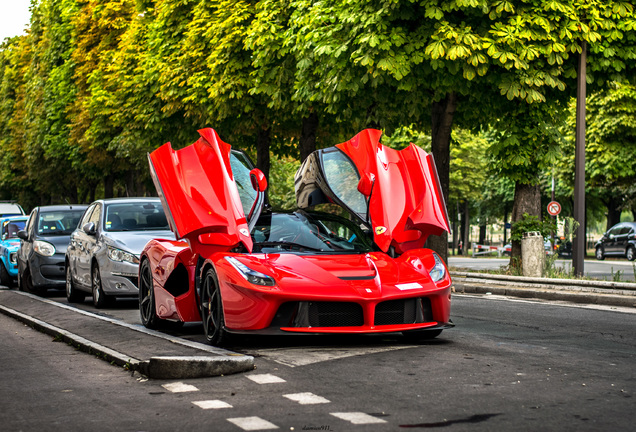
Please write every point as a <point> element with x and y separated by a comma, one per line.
<point>619,240</point>
<point>43,247</point>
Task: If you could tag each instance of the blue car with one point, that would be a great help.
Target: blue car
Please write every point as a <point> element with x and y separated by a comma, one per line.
<point>9,244</point>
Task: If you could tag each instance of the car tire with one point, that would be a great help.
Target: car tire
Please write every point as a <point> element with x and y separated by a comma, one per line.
<point>211,308</point>
<point>631,253</point>
<point>100,299</point>
<point>27,284</point>
<point>72,294</point>
<point>600,253</point>
<point>421,335</point>
<point>5,277</point>
<point>147,307</point>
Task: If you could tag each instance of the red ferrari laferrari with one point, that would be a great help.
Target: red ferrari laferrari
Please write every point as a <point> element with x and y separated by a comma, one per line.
<point>241,268</point>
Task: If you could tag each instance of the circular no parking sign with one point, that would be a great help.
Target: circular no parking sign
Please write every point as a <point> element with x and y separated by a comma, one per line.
<point>554,208</point>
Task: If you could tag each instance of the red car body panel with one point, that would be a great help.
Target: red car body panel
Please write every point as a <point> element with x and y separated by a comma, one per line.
<point>407,204</point>
<point>197,189</point>
<point>198,193</point>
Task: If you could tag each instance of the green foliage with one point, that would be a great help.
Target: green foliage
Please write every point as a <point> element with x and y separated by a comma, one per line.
<point>530,223</point>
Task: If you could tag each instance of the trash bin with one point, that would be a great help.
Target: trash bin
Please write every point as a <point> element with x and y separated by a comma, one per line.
<point>532,254</point>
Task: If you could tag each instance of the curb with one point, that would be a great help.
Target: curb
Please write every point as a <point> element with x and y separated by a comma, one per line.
<point>220,362</point>
<point>620,294</point>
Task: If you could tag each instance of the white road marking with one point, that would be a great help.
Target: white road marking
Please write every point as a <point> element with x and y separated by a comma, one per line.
<point>306,398</point>
<point>358,418</point>
<point>293,357</point>
<point>266,379</point>
<point>212,404</point>
<point>179,387</point>
<point>252,423</point>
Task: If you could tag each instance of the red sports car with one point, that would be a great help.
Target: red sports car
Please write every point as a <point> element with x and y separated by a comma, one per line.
<point>241,268</point>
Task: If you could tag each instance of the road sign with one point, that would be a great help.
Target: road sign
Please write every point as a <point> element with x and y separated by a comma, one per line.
<point>554,208</point>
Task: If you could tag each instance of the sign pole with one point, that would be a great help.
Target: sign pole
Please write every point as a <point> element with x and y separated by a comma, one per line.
<point>578,245</point>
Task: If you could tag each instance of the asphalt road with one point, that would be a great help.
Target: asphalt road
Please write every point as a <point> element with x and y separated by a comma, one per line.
<point>507,365</point>
<point>602,270</point>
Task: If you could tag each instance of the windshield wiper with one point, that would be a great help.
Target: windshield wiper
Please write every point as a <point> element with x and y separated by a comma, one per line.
<point>288,244</point>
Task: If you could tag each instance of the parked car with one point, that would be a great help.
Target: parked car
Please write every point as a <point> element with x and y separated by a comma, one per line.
<point>505,250</point>
<point>102,259</point>
<point>619,240</point>
<point>43,246</point>
<point>10,208</point>
<point>241,268</point>
<point>9,245</point>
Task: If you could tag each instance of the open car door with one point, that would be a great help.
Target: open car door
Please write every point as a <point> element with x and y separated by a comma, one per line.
<point>394,193</point>
<point>207,189</point>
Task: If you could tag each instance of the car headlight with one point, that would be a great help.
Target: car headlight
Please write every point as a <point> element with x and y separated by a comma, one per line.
<point>438,272</point>
<point>13,258</point>
<point>43,248</point>
<point>121,256</point>
<point>252,276</point>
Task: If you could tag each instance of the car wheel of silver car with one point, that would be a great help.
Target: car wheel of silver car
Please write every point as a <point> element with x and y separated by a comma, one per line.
<point>212,310</point>
<point>600,253</point>
<point>631,253</point>
<point>99,298</point>
<point>5,277</point>
<point>147,308</point>
<point>72,295</point>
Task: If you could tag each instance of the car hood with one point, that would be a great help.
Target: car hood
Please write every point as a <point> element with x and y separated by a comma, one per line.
<point>134,241</point>
<point>60,242</point>
<point>11,244</point>
<point>395,193</point>
<point>365,274</point>
<point>198,192</point>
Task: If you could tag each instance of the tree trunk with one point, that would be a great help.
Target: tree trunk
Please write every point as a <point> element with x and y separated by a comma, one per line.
<point>466,240</point>
<point>527,200</point>
<point>442,124</point>
<point>262,150</point>
<point>109,186</point>
<point>482,233</point>
<point>308,136</point>
<point>613,211</point>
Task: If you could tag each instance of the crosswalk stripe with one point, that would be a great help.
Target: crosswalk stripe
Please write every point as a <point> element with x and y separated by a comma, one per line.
<point>358,417</point>
<point>179,387</point>
<point>265,379</point>
<point>306,398</point>
<point>252,423</point>
<point>212,404</point>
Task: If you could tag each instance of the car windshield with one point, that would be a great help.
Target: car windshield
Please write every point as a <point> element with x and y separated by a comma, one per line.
<point>135,216</point>
<point>58,222</point>
<point>10,228</point>
<point>308,232</point>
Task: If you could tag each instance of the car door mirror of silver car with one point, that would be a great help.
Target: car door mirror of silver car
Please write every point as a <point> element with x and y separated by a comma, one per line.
<point>89,228</point>
<point>22,234</point>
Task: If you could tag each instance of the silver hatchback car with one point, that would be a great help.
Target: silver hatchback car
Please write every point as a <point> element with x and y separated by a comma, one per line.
<point>102,258</point>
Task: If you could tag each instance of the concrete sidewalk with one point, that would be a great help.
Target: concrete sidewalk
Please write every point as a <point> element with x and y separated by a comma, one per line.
<point>152,353</point>
<point>606,293</point>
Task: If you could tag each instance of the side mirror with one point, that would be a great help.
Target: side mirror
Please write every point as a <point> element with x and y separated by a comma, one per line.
<point>365,185</point>
<point>22,234</point>
<point>89,228</point>
<point>259,182</point>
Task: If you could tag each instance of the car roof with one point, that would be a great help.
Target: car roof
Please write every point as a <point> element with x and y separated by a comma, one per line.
<point>52,208</point>
<point>129,200</point>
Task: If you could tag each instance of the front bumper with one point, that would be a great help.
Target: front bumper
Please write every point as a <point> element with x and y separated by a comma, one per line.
<point>48,271</point>
<point>119,278</point>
